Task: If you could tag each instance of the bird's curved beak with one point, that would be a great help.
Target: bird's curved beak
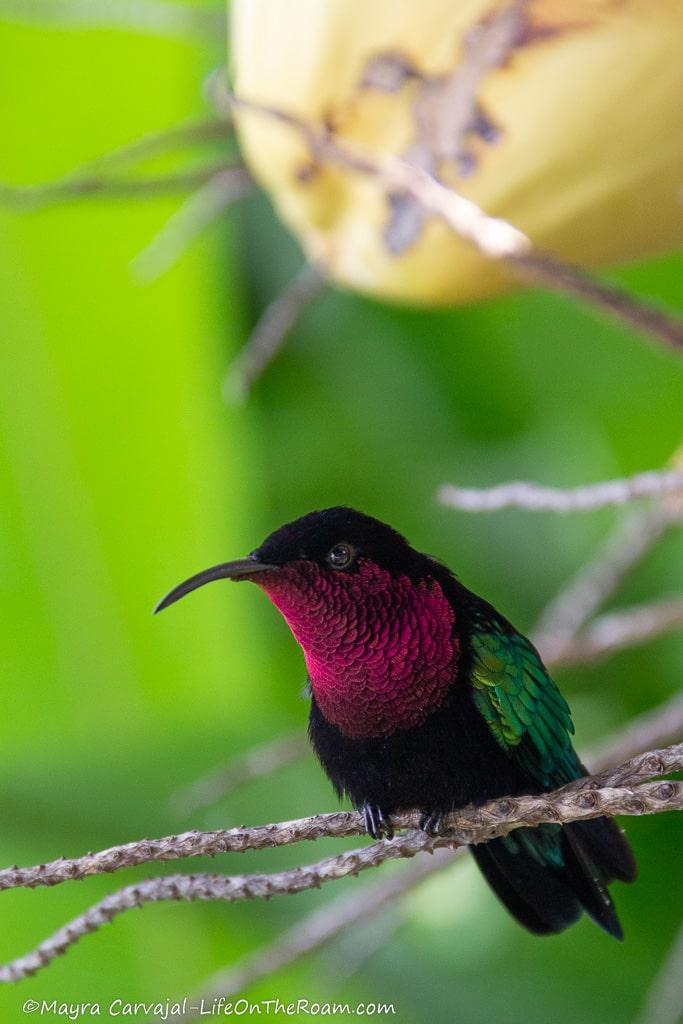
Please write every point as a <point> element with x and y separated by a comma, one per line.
<point>238,570</point>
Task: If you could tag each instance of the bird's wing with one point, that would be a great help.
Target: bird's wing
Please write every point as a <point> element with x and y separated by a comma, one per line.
<point>521,703</point>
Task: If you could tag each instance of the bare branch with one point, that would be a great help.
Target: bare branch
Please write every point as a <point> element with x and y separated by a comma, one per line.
<point>96,186</point>
<point>153,17</point>
<point>180,230</point>
<point>109,174</point>
<point>469,822</point>
<point>494,237</point>
<point>154,144</point>
<point>558,633</point>
<point>595,582</point>
<point>351,956</point>
<point>272,329</point>
<point>565,278</point>
<point>254,764</point>
<point>537,498</point>
<point>620,629</point>
<point>578,802</point>
<point>656,727</point>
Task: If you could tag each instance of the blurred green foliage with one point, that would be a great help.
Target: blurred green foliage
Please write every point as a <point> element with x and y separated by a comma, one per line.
<point>123,471</point>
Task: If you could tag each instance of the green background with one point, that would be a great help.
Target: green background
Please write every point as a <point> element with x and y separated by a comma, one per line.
<point>122,471</point>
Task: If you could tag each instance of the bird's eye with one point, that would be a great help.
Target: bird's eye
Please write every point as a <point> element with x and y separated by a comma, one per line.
<point>341,556</point>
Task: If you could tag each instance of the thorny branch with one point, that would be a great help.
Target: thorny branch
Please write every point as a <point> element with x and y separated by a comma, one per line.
<point>621,791</point>
<point>470,824</point>
<point>647,798</point>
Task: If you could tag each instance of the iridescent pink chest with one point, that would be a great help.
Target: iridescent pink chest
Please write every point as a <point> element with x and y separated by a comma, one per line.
<point>380,651</point>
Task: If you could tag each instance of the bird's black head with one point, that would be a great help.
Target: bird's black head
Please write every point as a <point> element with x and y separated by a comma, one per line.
<point>338,538</point>
<point>371,614</point>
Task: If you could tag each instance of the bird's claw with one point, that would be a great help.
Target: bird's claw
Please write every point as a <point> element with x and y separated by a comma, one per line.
<point>377,824</point>
<point>431,822</point>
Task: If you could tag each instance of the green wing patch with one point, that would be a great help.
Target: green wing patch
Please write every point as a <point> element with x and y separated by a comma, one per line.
<point>522,705</point>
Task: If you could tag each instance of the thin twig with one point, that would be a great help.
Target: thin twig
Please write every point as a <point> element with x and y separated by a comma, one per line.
<point>109,187</point>
<point>494,237</point>
<point>272,329</point>
<point>153,144</point>
<point>487,46</point>
<point>594,583</point>
<point>255,763</point>
<point>180,230</point>
<point>468,824</point>
<point>654,728</point>
<point>537,498</point>
<point>157,143</point>
<point>340,967</point>
<point>108,174</point>
<point>621,629</point>
<point>446,111</point>
<point>472,825</point>
<point>151,17</point>
<point>545,269</point>
<point>664,1002</point>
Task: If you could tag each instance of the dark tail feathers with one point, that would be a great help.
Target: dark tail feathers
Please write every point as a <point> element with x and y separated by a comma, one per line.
<point>547,876</point>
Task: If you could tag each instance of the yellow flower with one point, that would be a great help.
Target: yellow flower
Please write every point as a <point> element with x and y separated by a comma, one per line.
<point>574,136</point>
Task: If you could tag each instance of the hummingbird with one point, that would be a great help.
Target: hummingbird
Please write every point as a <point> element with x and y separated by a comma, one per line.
<point>424,697</point>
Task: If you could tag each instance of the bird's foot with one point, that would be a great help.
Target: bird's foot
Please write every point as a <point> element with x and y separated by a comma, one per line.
<point>431,822</point>
<point>377,824</point>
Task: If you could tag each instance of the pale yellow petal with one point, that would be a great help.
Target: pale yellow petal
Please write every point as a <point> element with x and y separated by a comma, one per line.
<point>589,164</point>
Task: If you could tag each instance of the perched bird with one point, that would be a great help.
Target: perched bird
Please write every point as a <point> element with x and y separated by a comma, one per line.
<point>424,697</point>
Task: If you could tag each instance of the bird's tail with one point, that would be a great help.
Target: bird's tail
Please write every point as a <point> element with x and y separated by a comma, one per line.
<point>547,876</point>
